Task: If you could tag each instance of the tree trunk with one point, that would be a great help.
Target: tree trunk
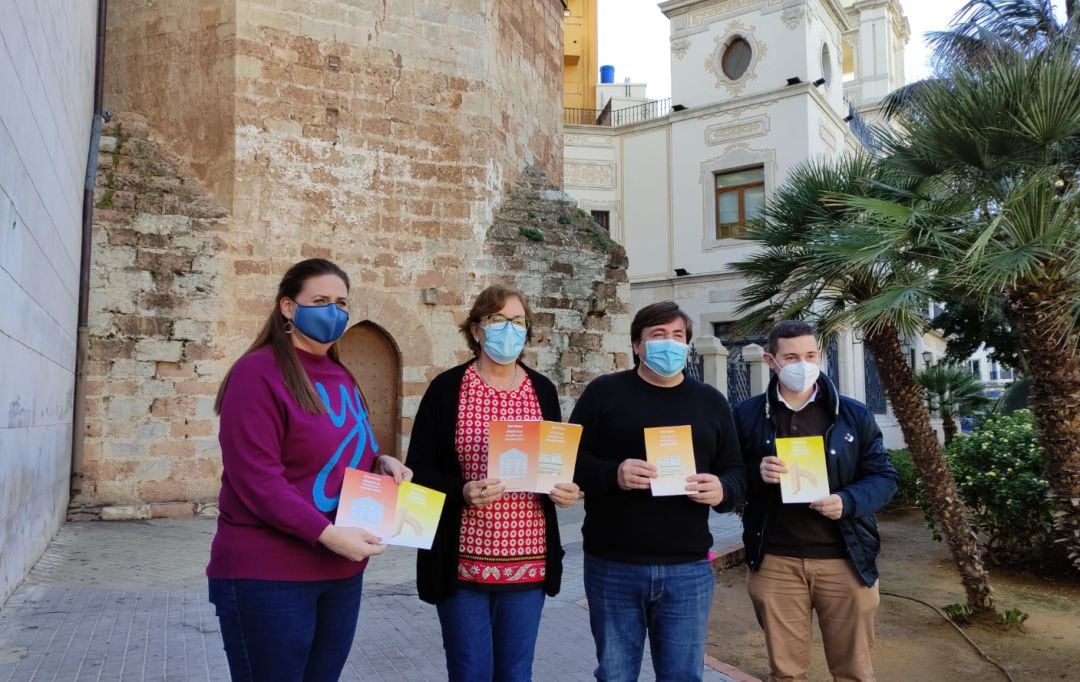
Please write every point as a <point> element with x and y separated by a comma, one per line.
<point>948,425</point>
<point>1051,347</point>
<point>947,510</point>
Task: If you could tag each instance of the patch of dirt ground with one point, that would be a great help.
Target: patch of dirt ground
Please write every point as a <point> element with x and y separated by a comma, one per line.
<point>913,642</point>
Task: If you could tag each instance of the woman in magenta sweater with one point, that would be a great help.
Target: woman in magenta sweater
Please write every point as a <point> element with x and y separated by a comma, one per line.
<point>285,582</point>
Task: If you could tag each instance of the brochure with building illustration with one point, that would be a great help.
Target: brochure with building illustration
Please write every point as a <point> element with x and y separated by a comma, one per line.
<point>406,515</point>
<point>532,456</point>
<point>807,478</point>
<point>671,449</point>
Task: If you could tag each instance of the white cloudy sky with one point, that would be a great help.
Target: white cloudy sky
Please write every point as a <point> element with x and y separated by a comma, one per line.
<point>633,37</point>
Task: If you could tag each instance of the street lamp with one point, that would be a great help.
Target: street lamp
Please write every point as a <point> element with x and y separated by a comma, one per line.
<point>927,356</point>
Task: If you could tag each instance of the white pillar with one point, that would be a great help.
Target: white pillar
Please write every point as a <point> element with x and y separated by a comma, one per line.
<point>714,362</point>
<point>759,371</point>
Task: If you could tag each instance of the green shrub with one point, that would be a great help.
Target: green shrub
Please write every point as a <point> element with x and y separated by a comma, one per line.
<point>999,473</point>
<point>907,491</point>
<point>531,233</point>
<point>958,613</point>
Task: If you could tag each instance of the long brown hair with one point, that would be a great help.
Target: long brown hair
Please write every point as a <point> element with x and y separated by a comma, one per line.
<point>273,334</point>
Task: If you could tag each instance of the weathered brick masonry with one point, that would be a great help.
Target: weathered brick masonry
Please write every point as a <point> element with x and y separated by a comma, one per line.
<point>153,367</point>
<point>389,136</point>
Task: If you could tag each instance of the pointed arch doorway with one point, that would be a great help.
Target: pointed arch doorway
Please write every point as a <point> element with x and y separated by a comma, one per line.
<point>372,356</point>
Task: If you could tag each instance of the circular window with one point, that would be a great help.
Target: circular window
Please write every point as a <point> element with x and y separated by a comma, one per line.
<point>826,64</point>
<point>736,58</point>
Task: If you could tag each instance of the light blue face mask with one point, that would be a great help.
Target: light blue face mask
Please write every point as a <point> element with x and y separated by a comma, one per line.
<point>666,357</point>
<point>504,343</point>
<point>323,323</point>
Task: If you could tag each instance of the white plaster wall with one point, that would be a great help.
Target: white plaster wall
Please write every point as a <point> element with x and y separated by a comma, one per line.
<point>646,201</point>
<point>785,39</point>
<point>771,130</point>
<point>47,77</point>
<point>591,174</point>
<point>730,125</point>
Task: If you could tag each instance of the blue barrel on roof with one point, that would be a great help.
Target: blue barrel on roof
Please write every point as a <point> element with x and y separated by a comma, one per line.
<point>607,74</point>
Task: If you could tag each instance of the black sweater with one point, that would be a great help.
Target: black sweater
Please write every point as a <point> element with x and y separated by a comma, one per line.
<point>633,526</point>
<point>435,464</point>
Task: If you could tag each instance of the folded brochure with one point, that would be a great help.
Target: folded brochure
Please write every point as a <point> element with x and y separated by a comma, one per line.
<point>406,515</point>
<point>671,450</point>
<point>532,456</point>
<point>807,478</point>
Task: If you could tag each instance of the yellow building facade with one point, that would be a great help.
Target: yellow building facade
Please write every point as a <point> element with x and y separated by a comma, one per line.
<point>579,55</point>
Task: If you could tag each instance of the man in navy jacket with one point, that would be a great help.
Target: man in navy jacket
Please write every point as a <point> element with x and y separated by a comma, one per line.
<point>821,556</point>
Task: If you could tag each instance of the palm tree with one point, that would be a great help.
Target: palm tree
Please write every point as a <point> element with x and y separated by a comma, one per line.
<point>1004,130</point>
<point>817,262</point>
<point>951,390</point>
<point>985,28</point>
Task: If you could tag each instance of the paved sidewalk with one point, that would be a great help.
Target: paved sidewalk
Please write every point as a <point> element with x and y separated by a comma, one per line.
<point>117,601</point>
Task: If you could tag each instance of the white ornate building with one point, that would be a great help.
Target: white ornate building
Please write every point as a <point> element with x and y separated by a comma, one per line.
<point>757,87</point>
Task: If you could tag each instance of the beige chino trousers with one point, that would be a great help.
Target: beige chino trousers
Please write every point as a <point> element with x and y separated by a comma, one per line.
<point>785,590</point>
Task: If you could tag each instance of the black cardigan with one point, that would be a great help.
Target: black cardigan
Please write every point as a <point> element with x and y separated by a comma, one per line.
<point>434,462</point>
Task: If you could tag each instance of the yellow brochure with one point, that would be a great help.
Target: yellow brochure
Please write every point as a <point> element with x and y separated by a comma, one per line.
<point>671,449</point>
<point>807,478</point>
<point>406,515</point>
<point>532,456</point>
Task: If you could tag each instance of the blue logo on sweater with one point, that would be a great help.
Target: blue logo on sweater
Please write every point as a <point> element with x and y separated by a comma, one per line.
<point>360,431</point>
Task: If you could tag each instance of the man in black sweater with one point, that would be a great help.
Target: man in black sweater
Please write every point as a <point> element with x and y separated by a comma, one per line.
<point>646,567</point>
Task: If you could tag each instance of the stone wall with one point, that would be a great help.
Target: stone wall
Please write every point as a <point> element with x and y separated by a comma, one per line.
<point>382,135</point>
<point>173,62</point>
<point>575,279</point>
<point>153,366</point>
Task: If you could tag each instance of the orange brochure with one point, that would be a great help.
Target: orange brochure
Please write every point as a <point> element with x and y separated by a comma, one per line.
<point>671,449</point>
<point>532,456</point>
<point>807,478</point>
<point>406,515</point>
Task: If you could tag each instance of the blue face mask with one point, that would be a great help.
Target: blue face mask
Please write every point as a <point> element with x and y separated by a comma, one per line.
<point>504,344</point>
<point>323,323</point>
<point>666,357</point>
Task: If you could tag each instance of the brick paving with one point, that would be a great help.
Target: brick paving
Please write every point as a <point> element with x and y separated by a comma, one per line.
<point>118,601</point>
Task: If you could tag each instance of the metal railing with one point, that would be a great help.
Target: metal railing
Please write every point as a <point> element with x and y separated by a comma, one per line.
<point>695,364</point>
<point>657,108</point>
<point>738,376</point>
<point>875,390</point>
<point>587,117</point>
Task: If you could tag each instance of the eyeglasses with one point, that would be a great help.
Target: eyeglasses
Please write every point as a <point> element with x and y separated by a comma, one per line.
<point>499,322</point>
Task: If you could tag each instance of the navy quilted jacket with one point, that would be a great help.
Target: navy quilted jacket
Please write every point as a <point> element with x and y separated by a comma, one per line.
<point>859,471</point>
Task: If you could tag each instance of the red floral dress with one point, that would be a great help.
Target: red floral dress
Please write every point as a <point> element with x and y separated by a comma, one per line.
<point>502,544</point>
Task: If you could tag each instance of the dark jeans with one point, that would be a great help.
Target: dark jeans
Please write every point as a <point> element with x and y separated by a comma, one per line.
<point>669,602</point>
<point>490,635</point>
<point>281,630</point>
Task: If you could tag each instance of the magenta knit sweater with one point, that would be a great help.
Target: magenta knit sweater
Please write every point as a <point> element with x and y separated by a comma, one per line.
<point>283,469</point>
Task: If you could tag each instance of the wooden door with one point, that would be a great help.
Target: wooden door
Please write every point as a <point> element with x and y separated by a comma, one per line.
<point>369,352</point>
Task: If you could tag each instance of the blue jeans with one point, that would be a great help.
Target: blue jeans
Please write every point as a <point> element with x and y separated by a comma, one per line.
<point>670,602</point>
<point>283,630</point>
<point>490,635</point>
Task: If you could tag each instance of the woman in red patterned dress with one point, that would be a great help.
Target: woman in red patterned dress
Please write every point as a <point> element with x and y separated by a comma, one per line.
<point>496,553</point>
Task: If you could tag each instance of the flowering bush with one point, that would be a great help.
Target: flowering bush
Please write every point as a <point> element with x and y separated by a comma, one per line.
<point>907,490</point>
<point>999,473</point>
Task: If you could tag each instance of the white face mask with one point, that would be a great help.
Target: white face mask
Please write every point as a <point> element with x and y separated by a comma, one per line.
<point>799,376</point>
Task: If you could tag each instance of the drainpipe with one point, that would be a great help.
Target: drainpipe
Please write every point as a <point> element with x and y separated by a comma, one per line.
<point>78,421</point>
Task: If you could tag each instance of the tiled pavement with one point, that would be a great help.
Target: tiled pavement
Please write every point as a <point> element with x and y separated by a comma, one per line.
<point>117,601</point>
